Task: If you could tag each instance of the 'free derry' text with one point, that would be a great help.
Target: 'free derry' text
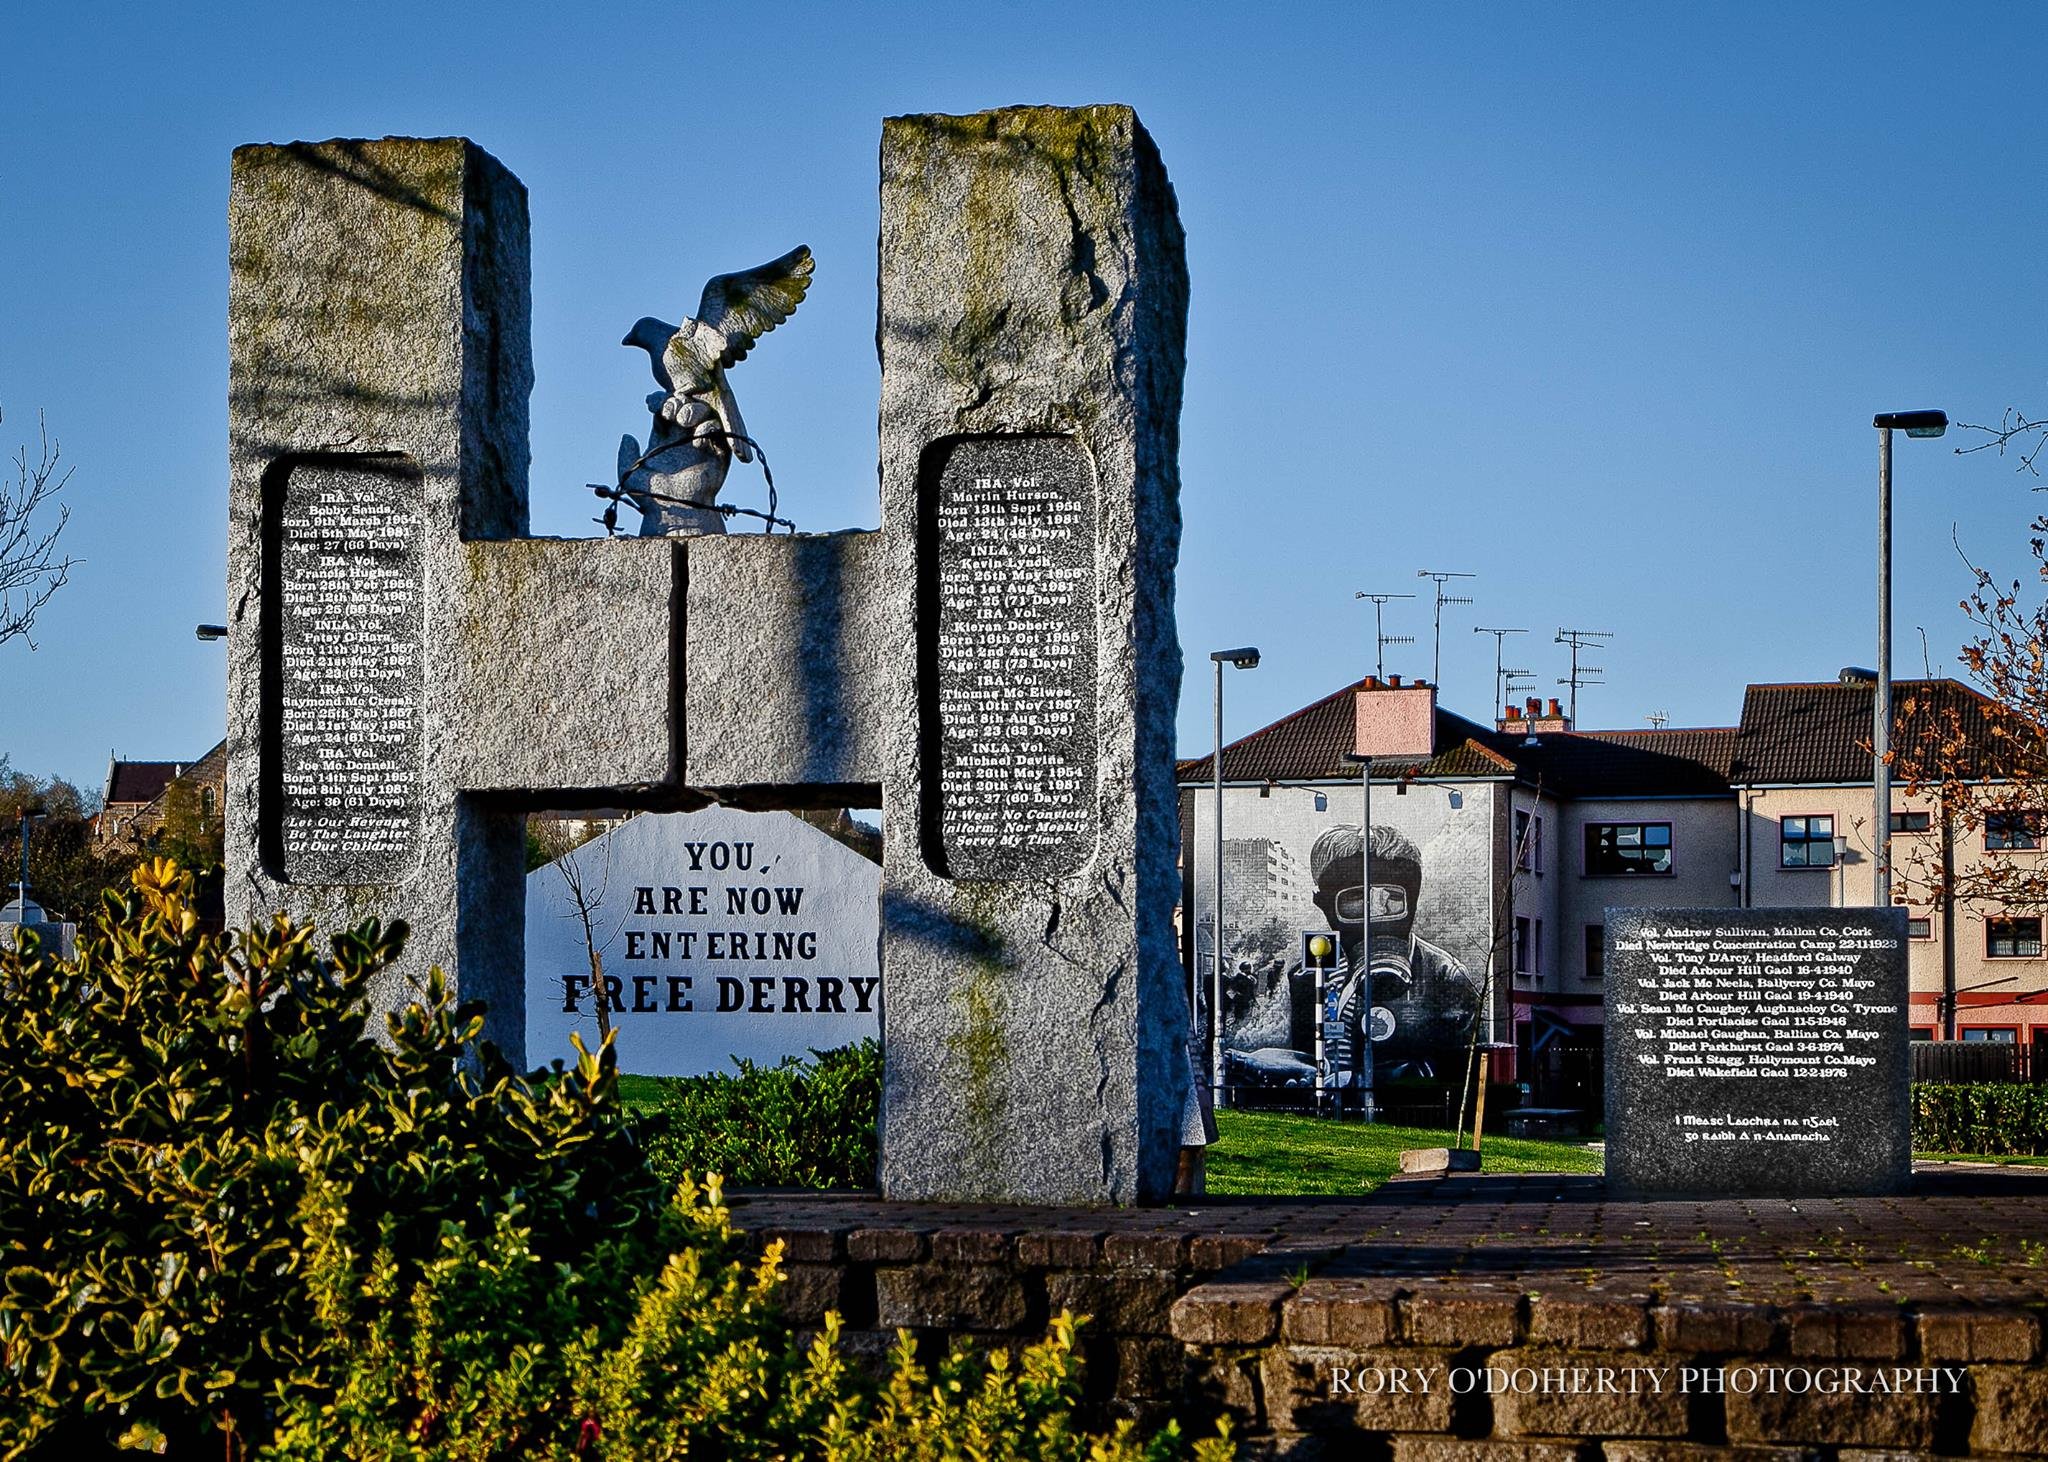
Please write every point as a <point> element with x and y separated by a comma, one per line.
<point>1787,1380</point>
<point>743,939</point>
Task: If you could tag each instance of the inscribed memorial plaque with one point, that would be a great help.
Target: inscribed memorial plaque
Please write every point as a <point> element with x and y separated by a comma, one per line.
<point>1757,1052</point>
<point>345,545</point>
<point>1011,657</point>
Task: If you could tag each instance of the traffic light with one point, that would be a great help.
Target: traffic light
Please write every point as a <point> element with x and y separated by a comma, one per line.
<point>1320,950</point>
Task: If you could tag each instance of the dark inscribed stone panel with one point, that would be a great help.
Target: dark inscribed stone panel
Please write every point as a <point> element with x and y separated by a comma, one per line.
<point>345,681</point>
<point>1009,659</point>
<point>1757,1052</point>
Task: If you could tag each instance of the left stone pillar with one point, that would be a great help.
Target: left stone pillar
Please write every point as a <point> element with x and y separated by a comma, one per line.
<point>379,369</point>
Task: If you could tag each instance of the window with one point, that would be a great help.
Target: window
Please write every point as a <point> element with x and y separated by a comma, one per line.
<point>1919,928</point>
<point>1909,822</point>
<point>1628,849</point>
<point>2004,1035</point>
<point>1529,842</point>
<point>2012,938</point>
<point>2006,832</point>
<point>1921,1033</point>
<point>1528,946</point>
<point>1806,842</point>
<point>1596,951</point>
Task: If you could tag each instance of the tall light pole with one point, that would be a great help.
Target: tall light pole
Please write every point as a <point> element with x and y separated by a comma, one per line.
<point>1365,1092</point>
<point>1246,658</point>
<point>1913,424</point>
<point>21,890</point>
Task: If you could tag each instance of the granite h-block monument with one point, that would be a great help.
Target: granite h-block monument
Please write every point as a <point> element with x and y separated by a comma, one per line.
<point>1757,1052</point>
<point>997,666</point>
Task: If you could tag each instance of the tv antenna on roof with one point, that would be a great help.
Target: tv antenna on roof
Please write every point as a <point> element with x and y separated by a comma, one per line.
<point>1499,672</point>
<point>1381,638</point>
<point>1658,719</point>
<point>1581,639</point>
<point>1436,668</point>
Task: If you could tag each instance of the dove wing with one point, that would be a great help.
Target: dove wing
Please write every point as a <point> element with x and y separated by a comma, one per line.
<point>745,306</point>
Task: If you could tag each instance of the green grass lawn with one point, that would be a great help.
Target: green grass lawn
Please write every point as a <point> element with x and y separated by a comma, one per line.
<point>2002,1161</point>
<point>639,1093</point>
<point>1281,1153</point>
<point>1278,1153</point>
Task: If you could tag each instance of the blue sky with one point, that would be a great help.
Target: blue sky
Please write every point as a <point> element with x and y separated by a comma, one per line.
<point>1595,302</point>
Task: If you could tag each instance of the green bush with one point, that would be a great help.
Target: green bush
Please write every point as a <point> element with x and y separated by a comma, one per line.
<point>188,1122</point>
<point>795,1125</point>
<point>235,1225</point>
<point>1996,1118</point>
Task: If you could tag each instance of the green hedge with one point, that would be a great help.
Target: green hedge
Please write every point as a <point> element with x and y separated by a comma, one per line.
<point>235,1225</point>
<point>800,1124</point>
<point>1996,1118</point>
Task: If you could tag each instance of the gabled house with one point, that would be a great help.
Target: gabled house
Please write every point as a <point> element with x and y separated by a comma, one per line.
<point>139,795</point>
<point>1510,842</point>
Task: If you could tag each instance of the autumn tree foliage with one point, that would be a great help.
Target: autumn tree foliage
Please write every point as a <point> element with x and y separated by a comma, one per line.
<point>1981,760</point>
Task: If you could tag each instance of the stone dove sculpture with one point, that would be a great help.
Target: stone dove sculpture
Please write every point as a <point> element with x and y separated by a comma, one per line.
<point>697,429</point>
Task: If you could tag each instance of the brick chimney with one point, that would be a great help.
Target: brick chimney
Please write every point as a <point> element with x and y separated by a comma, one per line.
<point>1542,718</point>
<point>1395,720</point>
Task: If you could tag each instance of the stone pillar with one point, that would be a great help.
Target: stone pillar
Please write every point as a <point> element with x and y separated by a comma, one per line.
<point>1032,337</point>
<point>379,373</point>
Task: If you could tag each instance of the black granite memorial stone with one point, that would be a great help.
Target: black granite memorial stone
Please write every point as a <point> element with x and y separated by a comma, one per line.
<point>1011,658</point>
<point>1757,1052</point>
<point>344,545</point>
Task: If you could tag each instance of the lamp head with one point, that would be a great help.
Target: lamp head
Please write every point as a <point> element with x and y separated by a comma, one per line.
<point>1246,658</point>
<point>1913,423</point>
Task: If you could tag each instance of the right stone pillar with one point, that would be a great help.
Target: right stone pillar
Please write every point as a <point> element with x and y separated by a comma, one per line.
<point>1032,337</point>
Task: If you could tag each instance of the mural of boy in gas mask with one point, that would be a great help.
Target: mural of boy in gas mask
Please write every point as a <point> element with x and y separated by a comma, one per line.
<point>1429,995</point>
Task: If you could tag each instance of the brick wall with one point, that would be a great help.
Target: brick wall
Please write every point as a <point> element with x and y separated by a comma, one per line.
<point>995,1277</point>
<point>1486,1317</point>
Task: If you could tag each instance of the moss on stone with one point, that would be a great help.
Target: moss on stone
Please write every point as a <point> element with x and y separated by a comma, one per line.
<point>978,1045</point>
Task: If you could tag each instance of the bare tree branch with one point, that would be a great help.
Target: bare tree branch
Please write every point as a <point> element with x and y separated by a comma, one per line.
<point>558,842</point>
<point>30,569</point>
<point>2012,431</point>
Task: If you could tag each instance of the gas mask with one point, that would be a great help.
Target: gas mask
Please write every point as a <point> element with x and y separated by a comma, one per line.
<point>1392,918</point>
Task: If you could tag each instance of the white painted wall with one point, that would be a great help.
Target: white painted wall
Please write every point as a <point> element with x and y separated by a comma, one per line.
<point>663,887</point>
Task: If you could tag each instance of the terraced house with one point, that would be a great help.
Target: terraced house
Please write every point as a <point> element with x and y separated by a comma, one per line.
<point>1495,859</point>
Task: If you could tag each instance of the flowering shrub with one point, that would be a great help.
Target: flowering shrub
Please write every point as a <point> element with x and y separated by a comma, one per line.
<point>233,1224</point>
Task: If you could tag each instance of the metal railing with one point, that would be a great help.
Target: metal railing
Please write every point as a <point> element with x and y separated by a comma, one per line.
<point>1965,1061</point>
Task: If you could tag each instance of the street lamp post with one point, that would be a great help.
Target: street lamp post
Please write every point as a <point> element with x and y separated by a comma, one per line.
<point>21,890</point>
<point>1246,658</point>
<point>1913,424</point>
<point>1366,1103</point>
